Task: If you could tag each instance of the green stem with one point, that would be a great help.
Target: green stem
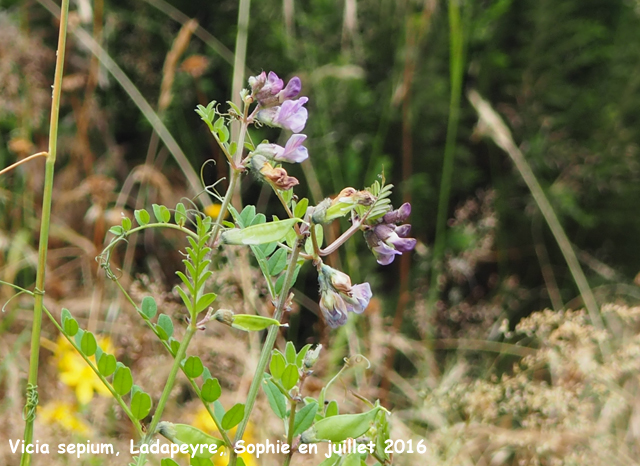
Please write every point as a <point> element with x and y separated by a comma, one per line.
<point>456,68</point>
<point>182,351</point>
<point>239,70</point>
<point>32,382</point>
<point>292,421</point>
<point>182,229</point>
<point>266,349</point>
<point>314,243</point>
<point>193,383</point>
<point>234,176</point>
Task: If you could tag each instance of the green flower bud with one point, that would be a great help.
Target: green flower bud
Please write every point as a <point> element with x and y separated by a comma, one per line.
<point>348,199</point>
<point>311,357</point>
<point>226,316</point>
<point>341,427</point>
<point>181,434</point>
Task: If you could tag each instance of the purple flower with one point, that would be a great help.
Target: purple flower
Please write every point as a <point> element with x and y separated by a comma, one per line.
<point>387,240</point>
<point>338,297</point>
<point>292,90</point>
<point>292,152</point>
<point>399,215</point>
<point>290,115</point>
<point>269,90</point>
<point>384,254</point>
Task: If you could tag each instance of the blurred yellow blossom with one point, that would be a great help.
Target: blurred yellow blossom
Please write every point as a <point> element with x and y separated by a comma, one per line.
<point>74,371</point>
<point>202,420</point>
<point>64,414</point>
<point>213,210</point>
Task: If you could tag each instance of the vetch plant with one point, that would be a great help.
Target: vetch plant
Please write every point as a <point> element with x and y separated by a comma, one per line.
<point>281,247</point>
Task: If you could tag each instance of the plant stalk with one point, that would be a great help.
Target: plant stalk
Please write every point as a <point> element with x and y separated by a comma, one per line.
<point>239,70</point>
<point>182,351</point>
<point>29,412</point>
<point>266,349</point>
<point>292,422</point>
<point>234,176</point>
<point>456,68</point>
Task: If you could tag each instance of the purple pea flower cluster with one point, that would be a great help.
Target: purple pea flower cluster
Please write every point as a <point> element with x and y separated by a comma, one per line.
<point>276,107</point>
<point>386,239</point>
<point>338,296</point>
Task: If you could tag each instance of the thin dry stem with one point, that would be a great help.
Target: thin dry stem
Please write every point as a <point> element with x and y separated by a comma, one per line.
<point>491,124</point>
<point>20,162</point>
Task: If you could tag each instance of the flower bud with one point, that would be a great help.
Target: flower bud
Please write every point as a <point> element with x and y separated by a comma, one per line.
<point>399,215</point>
<point>386,240</point>
<point>311,357</point>
<point>226,316</point>
<point>347,200</point>
<point>266,88</point>
<point>338,296</point>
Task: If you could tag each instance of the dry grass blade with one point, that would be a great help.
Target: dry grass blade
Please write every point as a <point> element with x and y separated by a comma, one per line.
<point>154,120</point>
<point>491,125</point>
<point>178,48</point>
<point>199,32</point>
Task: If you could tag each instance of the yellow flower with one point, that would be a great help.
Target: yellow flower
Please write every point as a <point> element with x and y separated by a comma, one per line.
<point>202,420</point>
<point>213,210</point>
<point>74,371</point>
<point>63,414</point>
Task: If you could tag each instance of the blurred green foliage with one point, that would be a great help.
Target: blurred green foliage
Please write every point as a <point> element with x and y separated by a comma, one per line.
<point>565,76</point>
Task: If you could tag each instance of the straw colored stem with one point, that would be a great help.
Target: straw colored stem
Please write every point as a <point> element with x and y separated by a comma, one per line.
<point>492,125</point>
<point>20,162</point>
<point>32,383</point>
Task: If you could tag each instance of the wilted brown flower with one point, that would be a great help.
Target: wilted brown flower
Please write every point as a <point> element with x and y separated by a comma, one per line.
<point>278,177</point>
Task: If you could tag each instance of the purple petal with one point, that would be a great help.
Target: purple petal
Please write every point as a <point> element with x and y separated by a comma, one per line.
<point>334,309</point>
<point>292,115</point>
<point>362,294</point>
<point>403,230</point>
<point>403,244</point>
<point>293,150</point>
<point>385,254</point>
<point>383,231</point>
<point>292,90</point>
<point>398,215</point>
<point>274,83</point>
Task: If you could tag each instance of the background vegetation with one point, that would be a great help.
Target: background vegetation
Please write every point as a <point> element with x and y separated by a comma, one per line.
<point>445,334</point>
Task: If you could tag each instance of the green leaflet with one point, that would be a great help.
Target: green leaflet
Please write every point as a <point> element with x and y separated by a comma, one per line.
<point>261,233</point>
<point>184,433</point>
